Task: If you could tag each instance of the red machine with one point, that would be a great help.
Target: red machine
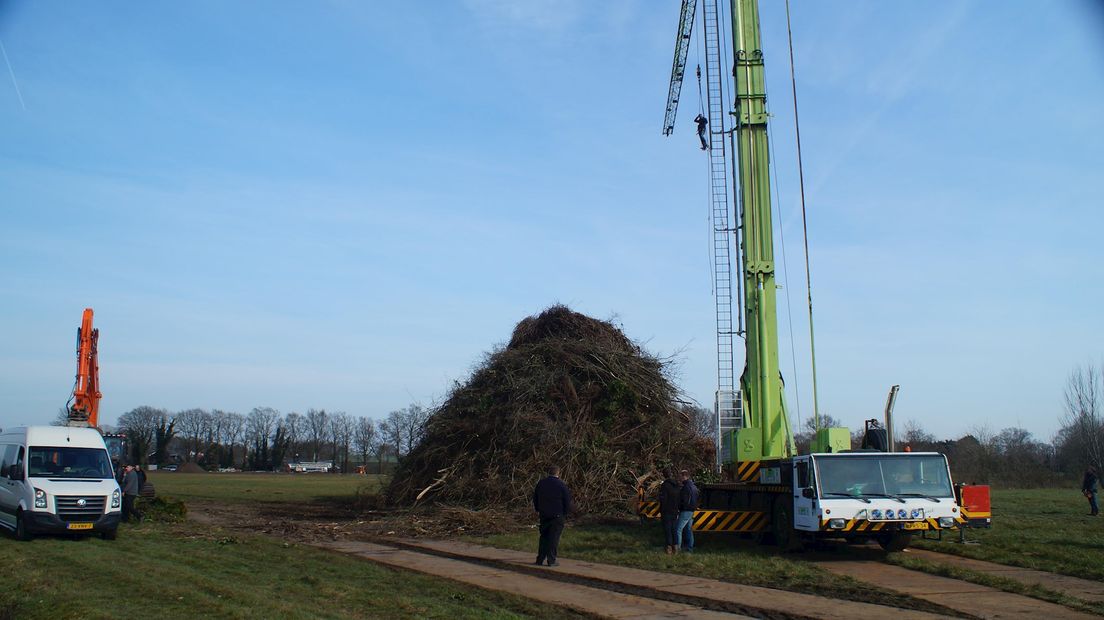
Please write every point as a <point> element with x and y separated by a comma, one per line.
<point>974,500</point>
<point>85,402</point>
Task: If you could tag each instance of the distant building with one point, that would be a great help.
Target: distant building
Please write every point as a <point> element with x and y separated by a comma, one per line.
<point>310,466</point>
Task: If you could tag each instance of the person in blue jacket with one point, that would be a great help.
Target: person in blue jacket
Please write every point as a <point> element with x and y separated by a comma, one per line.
<point>552,501</point>
<point>688,503</point>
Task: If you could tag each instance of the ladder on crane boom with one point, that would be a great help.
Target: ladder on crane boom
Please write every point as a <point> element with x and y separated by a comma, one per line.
<point>727,402</point>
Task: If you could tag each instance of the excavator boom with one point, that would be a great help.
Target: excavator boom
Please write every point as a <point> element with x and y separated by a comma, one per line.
<point>85,402</point>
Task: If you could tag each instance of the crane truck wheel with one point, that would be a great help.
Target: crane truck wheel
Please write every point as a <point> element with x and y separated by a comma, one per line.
<point>21,532</point>
<point>109,534</point>
<point>895,541</point>
<point>785,536</point>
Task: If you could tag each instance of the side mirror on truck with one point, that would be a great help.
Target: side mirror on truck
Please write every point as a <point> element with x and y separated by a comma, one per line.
<point>808,493</point>
<point>15,472</point>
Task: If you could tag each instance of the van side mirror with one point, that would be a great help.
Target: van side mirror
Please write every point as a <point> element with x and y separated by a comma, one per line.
<point>15,472</point>
<point>808,493</point>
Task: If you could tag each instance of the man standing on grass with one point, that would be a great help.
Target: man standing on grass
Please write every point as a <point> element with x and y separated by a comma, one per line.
<point>688,503</point>
<point>1088,487</point>
<point>131,488</point>
<point>669,494</point>
<point>552,501</point>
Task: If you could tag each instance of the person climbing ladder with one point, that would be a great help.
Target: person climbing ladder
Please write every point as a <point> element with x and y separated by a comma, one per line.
<point>702,123</point>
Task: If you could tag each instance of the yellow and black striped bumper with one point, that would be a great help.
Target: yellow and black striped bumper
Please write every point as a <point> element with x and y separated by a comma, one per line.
<point>714,520</point>
<point>864,525</point>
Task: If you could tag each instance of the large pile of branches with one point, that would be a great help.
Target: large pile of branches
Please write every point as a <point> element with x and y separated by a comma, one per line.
<point>567,390</point>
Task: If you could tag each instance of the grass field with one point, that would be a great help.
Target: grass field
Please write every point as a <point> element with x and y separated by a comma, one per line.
<point>1044,529</point>
<point>177,570</point>
<point>191,569</point>
<point>262,487</point>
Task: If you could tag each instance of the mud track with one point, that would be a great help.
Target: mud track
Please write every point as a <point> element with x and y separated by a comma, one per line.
<point>613,591</point>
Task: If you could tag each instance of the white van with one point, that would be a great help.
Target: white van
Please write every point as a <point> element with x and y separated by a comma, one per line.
<point>57,479</point>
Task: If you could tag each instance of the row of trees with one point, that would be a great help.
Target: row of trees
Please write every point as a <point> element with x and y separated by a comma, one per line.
<point>265,439</point>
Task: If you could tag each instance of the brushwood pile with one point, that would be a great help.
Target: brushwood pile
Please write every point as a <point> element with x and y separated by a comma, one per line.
<point>568,390</point>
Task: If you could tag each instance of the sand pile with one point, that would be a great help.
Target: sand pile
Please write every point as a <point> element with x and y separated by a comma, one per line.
<point>568,390</point>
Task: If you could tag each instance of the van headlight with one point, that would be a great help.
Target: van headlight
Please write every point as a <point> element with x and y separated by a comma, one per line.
<point>946,522</point>
<point>837,524</point>
<point>40,498</point>
<point>115,498</point>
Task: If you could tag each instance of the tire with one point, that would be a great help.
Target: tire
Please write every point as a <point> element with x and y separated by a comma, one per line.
<point>895,541</point>
<point>785,536</point>
<point>21,532</point>
<point>110,534</point>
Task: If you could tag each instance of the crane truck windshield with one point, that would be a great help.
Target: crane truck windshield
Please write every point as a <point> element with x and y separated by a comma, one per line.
<point>893,475</point>
<point>70,463</point>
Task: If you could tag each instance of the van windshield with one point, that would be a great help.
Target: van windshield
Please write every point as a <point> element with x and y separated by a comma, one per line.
<point>56,462</point>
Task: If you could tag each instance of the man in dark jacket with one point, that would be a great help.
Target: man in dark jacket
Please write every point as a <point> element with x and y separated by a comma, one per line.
<point>669,494</point>
<point>1088,487</point>
<point>688,503</point>
<point>552,501</point>
<point>131,488</point>
<point>702,123</point>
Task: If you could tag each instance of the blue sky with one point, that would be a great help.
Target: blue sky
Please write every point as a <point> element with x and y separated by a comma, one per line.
<point>343,205</point>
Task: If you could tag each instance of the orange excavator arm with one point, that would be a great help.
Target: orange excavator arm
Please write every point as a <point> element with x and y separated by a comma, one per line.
<point>86,391</point>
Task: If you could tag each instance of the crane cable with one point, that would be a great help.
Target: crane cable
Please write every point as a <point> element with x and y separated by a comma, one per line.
<point>804,220</point>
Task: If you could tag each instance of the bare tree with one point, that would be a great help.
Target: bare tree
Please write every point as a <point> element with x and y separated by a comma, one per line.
<point>702,421</point>
<point>364,438</point>
<point>341,433</point>
<point>393,430</point>
<point>193,425</point>
<point>916,437</point>
<point>141,425</point>
<point>293,429</point>
<point>260,426</point>
<point>233,433</point>
<point>316,427</point>
<point>1084,417</point>
<point>414,418</point>
<point>62,417</point>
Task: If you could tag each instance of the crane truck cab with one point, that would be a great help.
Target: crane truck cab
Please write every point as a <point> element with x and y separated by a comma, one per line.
<point>886,496</point>
<point>57,479</point>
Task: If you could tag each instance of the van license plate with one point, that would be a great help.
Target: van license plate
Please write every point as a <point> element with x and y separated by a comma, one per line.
<point>918,525</point>
<point>80,526</point>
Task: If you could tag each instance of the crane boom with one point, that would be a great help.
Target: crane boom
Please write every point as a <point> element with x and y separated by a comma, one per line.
<point>85,406</point>
<point>766,432</point>
<point>678,66</point>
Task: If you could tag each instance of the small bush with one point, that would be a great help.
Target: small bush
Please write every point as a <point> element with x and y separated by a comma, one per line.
<point>162,509</point>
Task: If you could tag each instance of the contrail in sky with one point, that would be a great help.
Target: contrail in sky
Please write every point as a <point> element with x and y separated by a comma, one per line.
<point>12,74</point>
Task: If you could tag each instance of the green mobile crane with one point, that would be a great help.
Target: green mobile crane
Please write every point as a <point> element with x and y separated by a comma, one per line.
<point>770,490</point>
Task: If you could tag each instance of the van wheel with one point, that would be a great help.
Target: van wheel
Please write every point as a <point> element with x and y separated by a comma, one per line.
<point>21,532</point>
<point>110,534</point>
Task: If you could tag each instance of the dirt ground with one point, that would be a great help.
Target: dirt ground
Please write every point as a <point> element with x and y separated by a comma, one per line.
<point>313,523</point>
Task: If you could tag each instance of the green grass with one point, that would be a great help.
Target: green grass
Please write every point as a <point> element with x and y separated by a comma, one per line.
<point>718,556</point>
<point>1044,529</point>
<point>264,487</point>
<point>195,571</point>
<point>995,581</point>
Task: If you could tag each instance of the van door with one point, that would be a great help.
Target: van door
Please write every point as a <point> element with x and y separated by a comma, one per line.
<point>9,499</point>
<point>805,513</point>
